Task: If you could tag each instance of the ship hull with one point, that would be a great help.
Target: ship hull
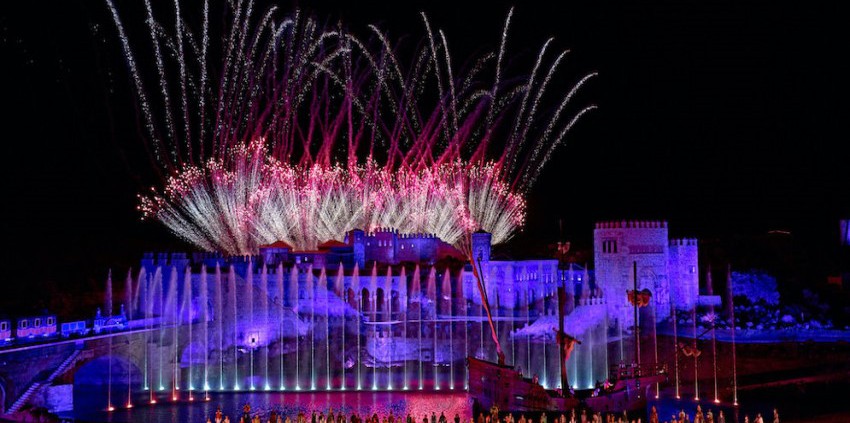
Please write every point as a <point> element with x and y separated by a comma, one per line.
<point>627,394</point>
<point>492,384</point>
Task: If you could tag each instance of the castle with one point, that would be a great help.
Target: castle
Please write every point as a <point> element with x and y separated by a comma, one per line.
<point>668,268</point>
<point>388,300</point>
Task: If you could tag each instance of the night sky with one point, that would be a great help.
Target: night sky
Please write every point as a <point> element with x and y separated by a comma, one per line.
<point>727,119</point>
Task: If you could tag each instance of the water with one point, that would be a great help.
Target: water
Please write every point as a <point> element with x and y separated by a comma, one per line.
<point>382,403</point>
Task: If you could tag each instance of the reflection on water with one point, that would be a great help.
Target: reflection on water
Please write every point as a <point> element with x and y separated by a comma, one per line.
<point>289,403</point>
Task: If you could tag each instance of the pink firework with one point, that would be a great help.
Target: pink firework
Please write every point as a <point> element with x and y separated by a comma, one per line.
<point>300,133</point>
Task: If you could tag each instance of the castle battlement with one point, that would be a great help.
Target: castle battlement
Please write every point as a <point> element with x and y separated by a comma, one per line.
<point>417,236</point>
<point>679,242</point>
<point>381,230</point>
<point>631,224</point>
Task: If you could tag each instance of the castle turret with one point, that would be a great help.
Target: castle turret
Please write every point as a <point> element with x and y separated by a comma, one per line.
<point>684,272</point>
<point>481,240</point>
<point>357,240</point>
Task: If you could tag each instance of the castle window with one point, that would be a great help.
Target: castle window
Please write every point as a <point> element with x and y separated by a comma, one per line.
<point>4,326</point>
<point>37,323</point>
<point>693,269</point>
<point>49,321</point>
<point>609,246</point>
<point>23,324</point>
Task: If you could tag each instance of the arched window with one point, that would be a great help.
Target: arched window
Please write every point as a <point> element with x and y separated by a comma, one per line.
<point>379,300</point>
<point>364,299</point>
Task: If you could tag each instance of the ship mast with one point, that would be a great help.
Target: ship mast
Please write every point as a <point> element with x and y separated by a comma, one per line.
<point>476,271</point>
<point>562,340</point>
<point>637,324</point>
<point>566,343</point>
<point>637,303</point>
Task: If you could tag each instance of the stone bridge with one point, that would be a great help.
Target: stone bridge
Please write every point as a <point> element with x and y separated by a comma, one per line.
<point>55,375</point>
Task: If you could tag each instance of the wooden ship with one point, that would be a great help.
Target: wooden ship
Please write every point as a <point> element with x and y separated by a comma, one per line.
<point>502,387</point>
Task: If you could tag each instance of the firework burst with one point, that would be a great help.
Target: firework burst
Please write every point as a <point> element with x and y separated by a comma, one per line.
<point>299,132</point>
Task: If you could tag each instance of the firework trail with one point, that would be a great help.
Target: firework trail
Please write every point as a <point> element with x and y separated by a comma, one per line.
<point>288,130</point>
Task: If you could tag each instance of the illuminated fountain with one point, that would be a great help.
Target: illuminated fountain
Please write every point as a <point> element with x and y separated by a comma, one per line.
<point>329,329</point>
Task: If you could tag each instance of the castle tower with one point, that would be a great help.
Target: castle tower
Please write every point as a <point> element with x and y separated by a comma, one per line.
<point>381,246</point>
<point>357,240</point>
<point>684,272</point>
<point>481,240</point>
<point>619,244</point>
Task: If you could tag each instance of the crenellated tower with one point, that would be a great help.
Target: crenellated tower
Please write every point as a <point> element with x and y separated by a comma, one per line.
<point>684,272</point>
<point>617,245</point>
<point>357,240</point>
<point>381,245</point>
<point>481,242</point>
